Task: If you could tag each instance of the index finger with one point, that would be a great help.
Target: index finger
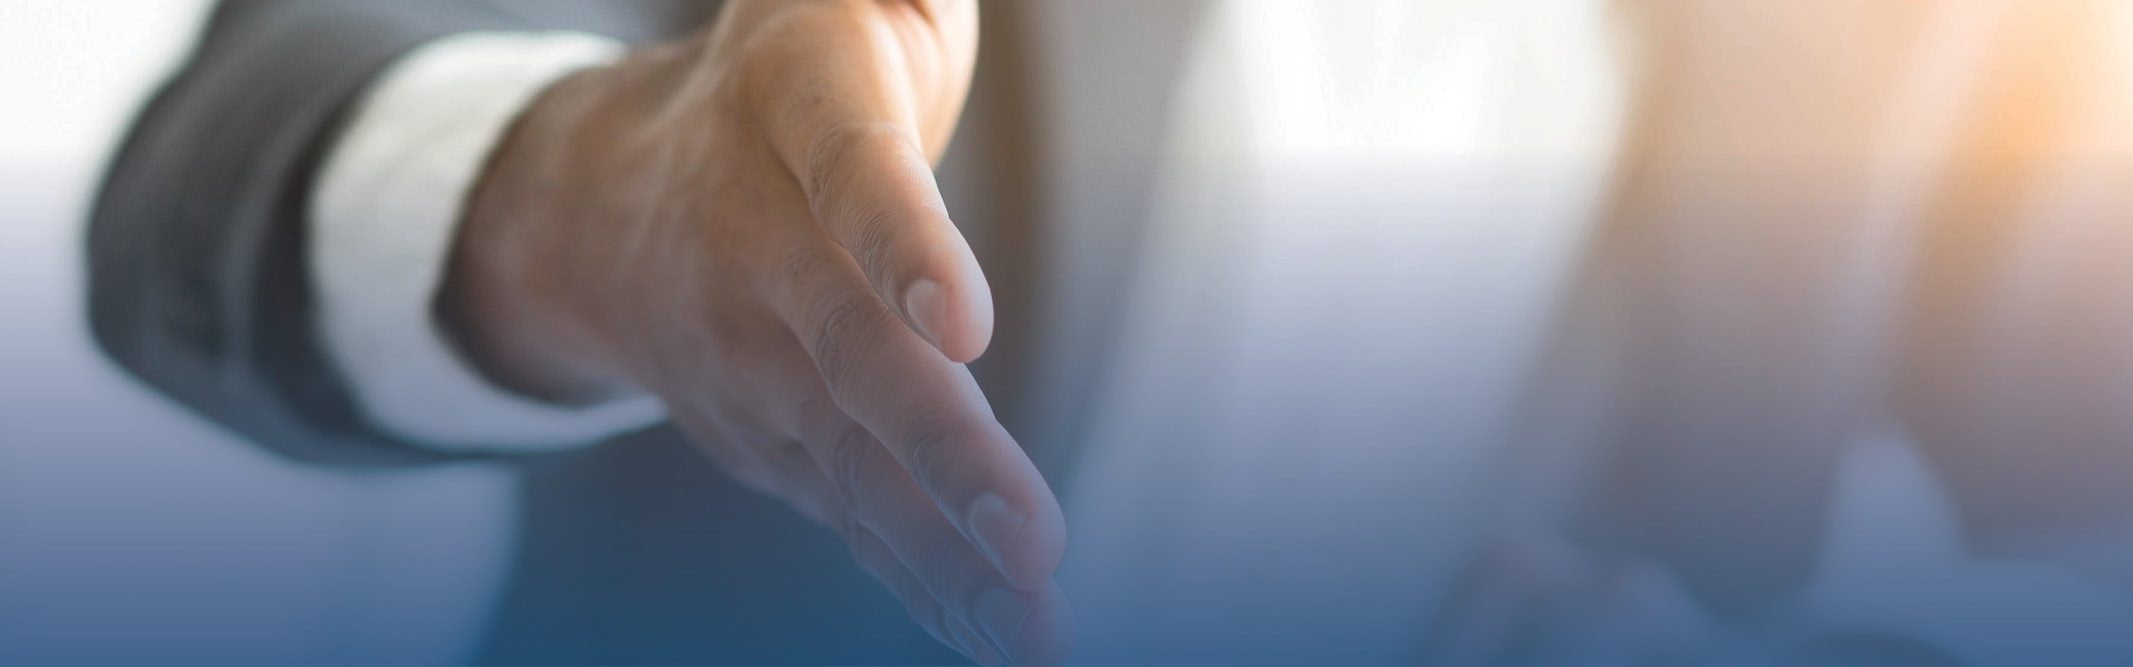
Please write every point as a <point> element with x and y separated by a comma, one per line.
<point>927,412</point>
<point>854,104</point>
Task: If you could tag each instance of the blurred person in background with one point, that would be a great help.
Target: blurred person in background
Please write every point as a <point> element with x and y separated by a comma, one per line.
<point>1346,332</point>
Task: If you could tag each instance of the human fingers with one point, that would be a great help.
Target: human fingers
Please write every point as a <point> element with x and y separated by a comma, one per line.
<point>961,506</point>
<point>1027,624</point>
<point>856,125</point>
<point>922,410</point>
<point>878,560</point>
<point>780,467</point>
<point>801,478</point>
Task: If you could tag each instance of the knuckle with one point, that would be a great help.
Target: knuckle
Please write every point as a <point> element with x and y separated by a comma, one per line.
<point>856,176</point>
<point>833,149</point>
<point>927,437</point>
<point>799,267</point>
<point>834,143</point>
<point>846,458</point>
<point>827,149</point>
<point>845,333</point>
<point>868,229</point>
<point>939,568</point>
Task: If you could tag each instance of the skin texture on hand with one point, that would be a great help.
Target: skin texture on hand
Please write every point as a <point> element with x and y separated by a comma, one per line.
<point>745,223</point>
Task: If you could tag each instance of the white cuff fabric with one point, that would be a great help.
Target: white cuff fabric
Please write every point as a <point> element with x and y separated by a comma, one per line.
<point>382,218</point>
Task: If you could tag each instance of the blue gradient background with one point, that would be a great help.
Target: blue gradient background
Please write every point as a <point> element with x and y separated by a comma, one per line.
<point>133,532</point>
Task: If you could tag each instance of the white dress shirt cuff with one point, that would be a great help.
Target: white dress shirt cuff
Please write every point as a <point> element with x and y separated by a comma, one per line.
<point>382,218</point>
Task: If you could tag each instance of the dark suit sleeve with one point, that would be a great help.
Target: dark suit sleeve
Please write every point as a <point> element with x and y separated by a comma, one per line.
<point>196,243</point>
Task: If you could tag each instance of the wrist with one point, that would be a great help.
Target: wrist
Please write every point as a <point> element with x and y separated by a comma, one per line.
<point>505,301</point>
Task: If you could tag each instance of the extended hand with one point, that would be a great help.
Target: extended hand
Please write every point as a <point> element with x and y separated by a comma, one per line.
<point>746,223</point>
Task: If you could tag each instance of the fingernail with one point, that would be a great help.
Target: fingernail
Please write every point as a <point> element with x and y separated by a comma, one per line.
<point>976,648</point>
<point>926,307</point>
<point>995,524</point>
<point>1002,612</point>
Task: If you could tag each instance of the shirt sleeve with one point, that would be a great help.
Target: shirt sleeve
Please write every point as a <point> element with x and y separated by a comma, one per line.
<point>382,218</point>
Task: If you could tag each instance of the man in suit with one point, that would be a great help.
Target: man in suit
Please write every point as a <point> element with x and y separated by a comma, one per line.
<point>221,307</point>
<point>391,233</point>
